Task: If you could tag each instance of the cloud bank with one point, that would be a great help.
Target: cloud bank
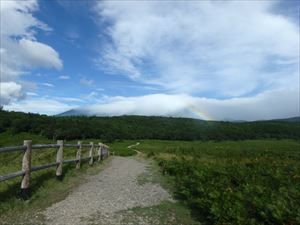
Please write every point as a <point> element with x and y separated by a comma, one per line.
<point>45,105</point>
<point>268,105</point>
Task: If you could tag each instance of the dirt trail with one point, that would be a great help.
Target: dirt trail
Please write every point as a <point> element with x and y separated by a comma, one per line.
<point>137,144</point>
<point>103,196</point>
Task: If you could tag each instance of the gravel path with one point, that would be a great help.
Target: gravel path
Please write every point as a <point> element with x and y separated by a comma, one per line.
<point>105,194</point>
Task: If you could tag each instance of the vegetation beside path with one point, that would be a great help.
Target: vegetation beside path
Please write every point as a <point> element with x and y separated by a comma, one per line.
<point>45,189</point>
<point>231,182</point>
<point>225,182</point>
<point>240,182</point>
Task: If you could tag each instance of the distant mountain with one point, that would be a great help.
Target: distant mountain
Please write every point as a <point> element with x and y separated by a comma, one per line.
<point>74,112</point>
<point>81,112</point>
<point>85,112</point>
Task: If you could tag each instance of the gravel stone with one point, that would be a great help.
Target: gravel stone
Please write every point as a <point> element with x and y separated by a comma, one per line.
<point>103,195</point>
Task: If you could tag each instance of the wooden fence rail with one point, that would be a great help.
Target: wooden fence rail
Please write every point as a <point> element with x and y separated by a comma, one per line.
<point>26,169</point>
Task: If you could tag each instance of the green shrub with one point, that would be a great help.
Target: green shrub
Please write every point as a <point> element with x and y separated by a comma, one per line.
<point>239,193</point>
<point>249,182</point>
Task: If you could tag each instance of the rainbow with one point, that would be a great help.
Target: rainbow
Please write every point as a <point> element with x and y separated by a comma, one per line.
<point>199,114</point>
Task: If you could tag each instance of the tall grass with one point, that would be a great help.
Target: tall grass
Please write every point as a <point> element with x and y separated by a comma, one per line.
<point>242,182</point>
<point>121,148</point>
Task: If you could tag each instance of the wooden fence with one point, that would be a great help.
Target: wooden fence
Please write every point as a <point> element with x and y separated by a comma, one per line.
<point>102,152</point>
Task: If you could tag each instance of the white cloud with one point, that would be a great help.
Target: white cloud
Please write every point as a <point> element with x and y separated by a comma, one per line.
<point>225,48</point>
<point>268,105</point>
<point>47,84</point>
<point>41,105</point>
<point>19,55</point>
<point>282,103</point>
<point>37,54</point>
<point>93,94</point>
<point>67,99</point>
<point>85,81</point>
<point>64,77</point>
<point>17,18</point>
<point>8,91</point>
<point>31,94</point>
<point>20,51</point>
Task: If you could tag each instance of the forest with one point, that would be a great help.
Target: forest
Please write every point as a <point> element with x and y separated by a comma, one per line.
<point>144,127</point>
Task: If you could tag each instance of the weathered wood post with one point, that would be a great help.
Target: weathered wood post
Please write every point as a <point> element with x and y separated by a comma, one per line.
<point>99,151</point>
<point>26,166</point>
<point>59,159</point>
<point>91,153</point>
<point>78,155</point>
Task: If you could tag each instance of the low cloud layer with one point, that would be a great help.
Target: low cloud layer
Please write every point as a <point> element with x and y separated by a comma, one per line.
<point>268,105</point>
<point>40,105</point>
<point>282,103</point>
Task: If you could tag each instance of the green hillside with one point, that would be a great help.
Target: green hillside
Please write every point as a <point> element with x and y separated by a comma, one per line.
<point>142,127</point>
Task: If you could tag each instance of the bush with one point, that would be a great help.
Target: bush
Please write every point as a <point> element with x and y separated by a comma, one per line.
<point>257,187</point>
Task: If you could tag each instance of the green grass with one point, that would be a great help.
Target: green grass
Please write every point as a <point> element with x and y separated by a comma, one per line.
<point>223,149</point>
<point>233,182</point>
<point>163,214</point>
<point>43,184</point>
<point>10,139</point>
<point>227,182</point>
<point>120,148</point>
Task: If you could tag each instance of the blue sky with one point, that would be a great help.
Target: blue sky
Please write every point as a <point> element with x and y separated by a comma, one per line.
<point>78,38</point>
<point>202,59</point>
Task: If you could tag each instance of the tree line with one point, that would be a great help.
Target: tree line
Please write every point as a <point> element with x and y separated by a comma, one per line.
<point>143,127</point>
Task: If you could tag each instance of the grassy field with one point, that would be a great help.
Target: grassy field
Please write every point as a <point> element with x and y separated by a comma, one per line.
<point>44,184</point>
<point>240,182</point>
<point>227,182</point>
<point>121,147</point>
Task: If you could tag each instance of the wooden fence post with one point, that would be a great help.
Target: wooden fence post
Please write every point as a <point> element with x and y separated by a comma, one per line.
<point>99,151</point>
<point>91,153</point>
<point>59,159</point>
<point>26,166</point>
<point>78,155</point>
